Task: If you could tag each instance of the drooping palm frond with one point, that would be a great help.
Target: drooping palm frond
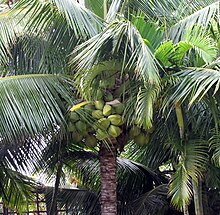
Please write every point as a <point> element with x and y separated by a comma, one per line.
<point>75,200</point>
<point>44,14</point>
<point>194,83</point>
<point>114,10</point>
<point>16,190</point>
<point>122,40</point>
<point>8,35</point>
<point>32,104</point>
<point>192,164</point>
<point>199,41</point>
<point>139,107</point>
<point>215,146</point>
<point>198,17</point>
<point>152,202</point>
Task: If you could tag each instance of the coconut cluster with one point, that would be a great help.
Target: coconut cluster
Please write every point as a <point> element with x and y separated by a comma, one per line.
<point>107,111</point>
<point>80,131</point>
<point>108,121</point>
<point>139,135</point>
<point>109,118</point>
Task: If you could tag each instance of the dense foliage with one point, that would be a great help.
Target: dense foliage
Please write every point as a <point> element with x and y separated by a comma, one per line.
<point>66,67</point>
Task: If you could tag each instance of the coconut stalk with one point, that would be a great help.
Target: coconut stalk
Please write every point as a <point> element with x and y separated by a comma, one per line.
<point>179,116</point>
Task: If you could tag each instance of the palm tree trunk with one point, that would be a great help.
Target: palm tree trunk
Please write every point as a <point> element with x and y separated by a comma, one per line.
<point>108,167</point>
<point>197,193</point>
<point>185,210</point>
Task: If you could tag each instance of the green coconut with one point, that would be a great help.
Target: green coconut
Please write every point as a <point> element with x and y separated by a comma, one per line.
<point>97,114</point>
<point>74,117</point>
<point>71,127</point>
<point>134,132</point>
<point>101,135</point>
<point>140,139</point>
<point>90,141</point>
<point>90,129</point>
<point>115,119</point>
<point>77,137</point>
<point>107,110</point>
<point>99,104</point>
<point>89,107</point>
<point>104,123</point>
<point>119,108</point>
<point>151,130</point>
<point>81,127</point>
<point>114,131</point>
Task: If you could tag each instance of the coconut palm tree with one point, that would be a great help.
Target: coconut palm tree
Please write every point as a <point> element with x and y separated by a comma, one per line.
<point>119,45</point>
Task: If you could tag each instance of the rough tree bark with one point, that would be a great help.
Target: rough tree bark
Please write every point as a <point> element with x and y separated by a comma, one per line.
<point>108,168</point>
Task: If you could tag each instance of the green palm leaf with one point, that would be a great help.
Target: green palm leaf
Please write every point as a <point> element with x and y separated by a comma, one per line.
<point>199,17</point>
<point>16,190</point>
<point>119,39</point>
<point>31,104</point>
<point>215,146</point>
<point>192,164</point>
<point>196,39</point>
<point>42,14</point>
<point>194,83</point>
<point>9,29</point>
<point>139,107</point>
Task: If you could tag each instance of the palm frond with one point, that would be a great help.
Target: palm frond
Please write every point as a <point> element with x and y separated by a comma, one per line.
<point>114,10</point>
<point>152,202</point>
<point>215,146</point>
<point>151,31</point>
<point>16,190</point>
<point>8,35</point>
<point>24,52</point>
<point>76,200</point>
<point>32,104</point>
<point>192,164</point>
<point>200,17</point>
<point>164,53</point>
<point>212,177</point>
<point>97,7</point>
<point>120,40</point>
<point>139,107</point>
<point>196,39</point>
<point>195,83</point>
<point>180,188</point>
<point>42,14</point>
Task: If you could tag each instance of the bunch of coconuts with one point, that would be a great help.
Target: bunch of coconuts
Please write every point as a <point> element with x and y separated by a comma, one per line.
<point>107,111</point>
<point>109,116</point>
<point>80,131</point>
<point>108,121</point>
<point>140,136</point>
